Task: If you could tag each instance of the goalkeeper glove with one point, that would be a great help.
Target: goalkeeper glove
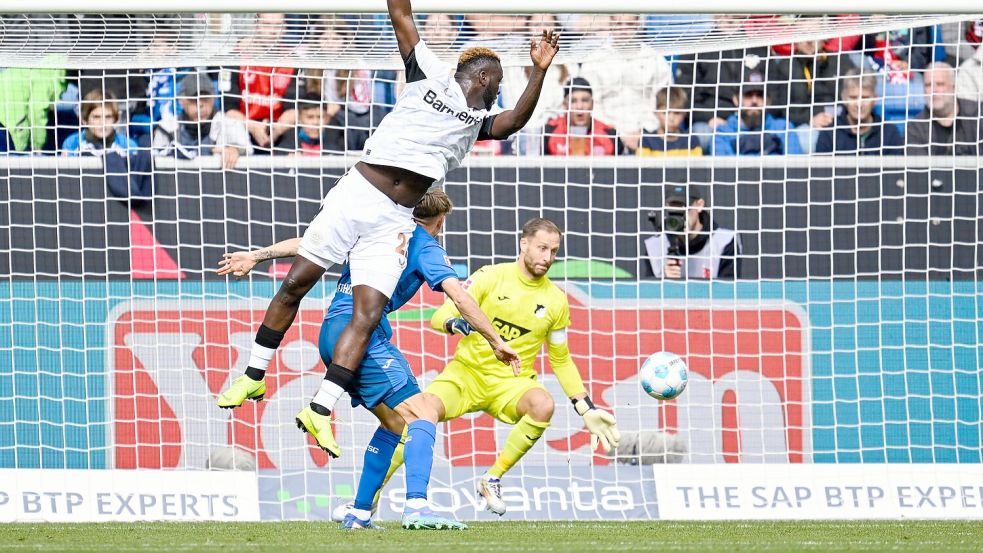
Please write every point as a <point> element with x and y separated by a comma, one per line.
<point>602,426</point>
<point>457,325</point>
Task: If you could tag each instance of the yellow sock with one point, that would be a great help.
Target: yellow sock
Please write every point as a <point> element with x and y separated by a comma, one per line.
<point>523,436</point>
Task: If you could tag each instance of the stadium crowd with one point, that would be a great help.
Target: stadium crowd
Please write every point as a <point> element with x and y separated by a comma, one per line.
<point>912,91</point>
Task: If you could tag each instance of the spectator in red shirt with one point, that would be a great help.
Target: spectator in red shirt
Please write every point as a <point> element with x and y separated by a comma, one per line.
<point>577,132</point>
<point>258,93</point>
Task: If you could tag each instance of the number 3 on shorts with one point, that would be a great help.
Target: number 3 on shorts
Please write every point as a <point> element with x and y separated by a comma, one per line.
<point>402,249</point>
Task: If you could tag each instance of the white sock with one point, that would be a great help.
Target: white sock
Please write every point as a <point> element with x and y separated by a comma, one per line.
<point>361,514</point>
<point>260,357</point>
<point>417,503</point>
<point>328,395</point>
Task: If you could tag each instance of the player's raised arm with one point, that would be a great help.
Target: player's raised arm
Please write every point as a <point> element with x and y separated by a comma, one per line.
<point>401,14</point>
<point>240,263</point>
<point>476,319</point>
<point>542,52</point>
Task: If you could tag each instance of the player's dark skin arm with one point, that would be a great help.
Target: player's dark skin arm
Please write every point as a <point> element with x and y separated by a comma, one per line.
<point>402,186</point>
<point>401,15</point>
<point>542,53</point>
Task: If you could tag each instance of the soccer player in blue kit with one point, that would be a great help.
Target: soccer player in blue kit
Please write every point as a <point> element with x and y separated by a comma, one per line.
<point>385,383</point>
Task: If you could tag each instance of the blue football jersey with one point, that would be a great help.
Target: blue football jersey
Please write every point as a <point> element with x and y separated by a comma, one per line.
<point>426,261</point>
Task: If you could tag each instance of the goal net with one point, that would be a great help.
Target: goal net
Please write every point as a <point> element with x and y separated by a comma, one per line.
<point>827,300</point>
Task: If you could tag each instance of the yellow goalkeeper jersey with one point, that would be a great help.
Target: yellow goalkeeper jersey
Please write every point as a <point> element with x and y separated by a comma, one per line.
<point>525,312</point>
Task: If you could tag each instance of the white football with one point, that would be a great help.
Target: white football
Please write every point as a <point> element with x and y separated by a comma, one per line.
<point>663,375</point>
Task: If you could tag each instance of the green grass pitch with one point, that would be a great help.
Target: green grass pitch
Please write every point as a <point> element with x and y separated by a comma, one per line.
<point>504,536</point>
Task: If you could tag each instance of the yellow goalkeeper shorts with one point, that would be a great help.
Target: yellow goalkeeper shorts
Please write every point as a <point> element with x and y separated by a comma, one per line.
<point>464,390</point>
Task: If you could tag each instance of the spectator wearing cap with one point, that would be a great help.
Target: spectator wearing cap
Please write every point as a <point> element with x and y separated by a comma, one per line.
<point>969,76</point>
<point>689,243</point>
<point>577,132</point>
<point>752,131</point>
<point>200,130</point>
<point>858,129</point>
<point>949,125</point>
<point>669,139</point>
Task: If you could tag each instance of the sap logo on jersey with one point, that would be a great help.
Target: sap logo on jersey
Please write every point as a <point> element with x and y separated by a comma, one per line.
<point>509,331</point>
<point>431,98</point>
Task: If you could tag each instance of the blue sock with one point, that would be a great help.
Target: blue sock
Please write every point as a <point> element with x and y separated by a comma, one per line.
<point>377,458</point>
<point>418,453</point>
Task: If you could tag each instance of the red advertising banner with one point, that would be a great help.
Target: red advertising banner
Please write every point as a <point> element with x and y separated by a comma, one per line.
<point>747,399</point>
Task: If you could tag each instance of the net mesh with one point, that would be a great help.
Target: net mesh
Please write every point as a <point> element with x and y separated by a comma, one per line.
<point>366,40</point>
<point>846,333</point>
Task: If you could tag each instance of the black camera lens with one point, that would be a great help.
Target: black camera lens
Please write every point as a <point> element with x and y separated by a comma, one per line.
<point>674,221</point>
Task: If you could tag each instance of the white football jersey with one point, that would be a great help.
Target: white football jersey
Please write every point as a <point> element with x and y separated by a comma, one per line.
<point>431,129</point>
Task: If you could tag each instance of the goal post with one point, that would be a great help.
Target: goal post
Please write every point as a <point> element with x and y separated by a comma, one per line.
<point>842,345</point>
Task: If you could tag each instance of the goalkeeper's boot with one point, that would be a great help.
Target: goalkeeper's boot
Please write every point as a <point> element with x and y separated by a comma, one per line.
<point>426,519</point>
<point>319,426</point>
<point>490,488</point>
<point>341,511</point>
<point>352,522</point>
<point>242,388</point>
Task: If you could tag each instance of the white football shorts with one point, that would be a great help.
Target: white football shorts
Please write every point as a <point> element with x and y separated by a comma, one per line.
<point>361,225</point>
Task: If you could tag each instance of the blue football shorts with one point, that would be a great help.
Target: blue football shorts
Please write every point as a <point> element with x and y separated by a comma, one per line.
<point>384,375</point>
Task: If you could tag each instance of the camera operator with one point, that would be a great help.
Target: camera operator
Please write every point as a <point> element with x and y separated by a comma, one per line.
<point>689,244</point>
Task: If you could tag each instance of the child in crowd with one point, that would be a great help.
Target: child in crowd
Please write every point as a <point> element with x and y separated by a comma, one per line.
<point>669,139</point>
<point>306,139</point>
<point>99,115</point>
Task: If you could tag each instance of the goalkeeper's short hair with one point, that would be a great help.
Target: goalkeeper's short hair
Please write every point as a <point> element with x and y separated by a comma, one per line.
<point>537,224</point>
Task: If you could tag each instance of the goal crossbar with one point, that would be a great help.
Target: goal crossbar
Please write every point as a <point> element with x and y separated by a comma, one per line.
<point>499,6</point>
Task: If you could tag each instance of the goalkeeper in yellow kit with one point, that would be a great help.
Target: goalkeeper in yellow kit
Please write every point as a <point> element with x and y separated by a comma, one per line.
<point>528,310</point>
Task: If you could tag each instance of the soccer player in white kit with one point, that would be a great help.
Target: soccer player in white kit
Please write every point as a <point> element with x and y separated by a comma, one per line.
<point>367,218</point>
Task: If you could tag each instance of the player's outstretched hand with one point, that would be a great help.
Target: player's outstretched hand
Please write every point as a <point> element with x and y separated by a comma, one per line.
<point>237,264</point>
<point>603,429</point>
<point>543,51</point>
<point>507,355</point>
